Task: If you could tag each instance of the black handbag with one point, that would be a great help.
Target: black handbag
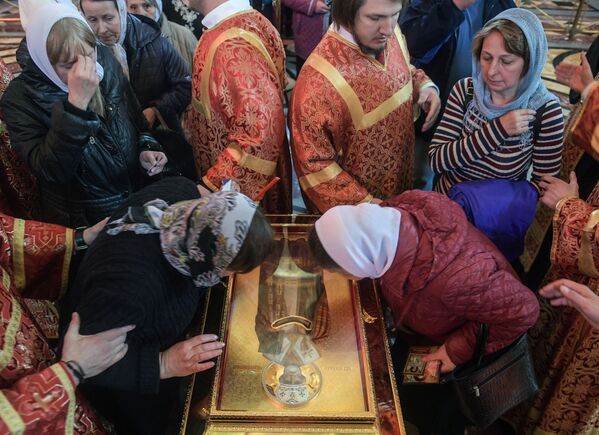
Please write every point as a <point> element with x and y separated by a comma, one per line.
<point>487,387</point>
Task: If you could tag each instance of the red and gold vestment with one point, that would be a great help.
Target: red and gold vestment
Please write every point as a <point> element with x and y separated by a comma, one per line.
<point>37,393</point>
<point>352,122</point>
<point>565,346</point>
<point>237,127</point>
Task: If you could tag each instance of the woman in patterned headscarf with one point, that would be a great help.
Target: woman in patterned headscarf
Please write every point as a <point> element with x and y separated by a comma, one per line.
<point>148,269</point>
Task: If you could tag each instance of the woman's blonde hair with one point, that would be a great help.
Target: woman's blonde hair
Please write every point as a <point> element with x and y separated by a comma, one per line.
<point>513,39</point>
<point>68,38</point>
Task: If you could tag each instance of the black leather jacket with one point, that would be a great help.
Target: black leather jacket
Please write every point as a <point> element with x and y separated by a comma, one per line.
<point>158,74</point>
<point>86,164</point>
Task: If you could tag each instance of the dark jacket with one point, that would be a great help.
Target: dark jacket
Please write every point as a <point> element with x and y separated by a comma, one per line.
<point>125,279</point>
<point>86,164</point>
<point>427,24</point>
<point>447,278</point>
<point>158,74</point>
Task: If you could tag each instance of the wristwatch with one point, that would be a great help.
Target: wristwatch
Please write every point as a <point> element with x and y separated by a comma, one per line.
<point>80,244</point>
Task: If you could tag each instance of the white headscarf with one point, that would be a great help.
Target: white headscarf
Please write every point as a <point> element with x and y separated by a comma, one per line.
<point>158,8</point>
<point>361,239</point>
<point>118,49</point>
<point>28,7</point>
<point>40,20</point>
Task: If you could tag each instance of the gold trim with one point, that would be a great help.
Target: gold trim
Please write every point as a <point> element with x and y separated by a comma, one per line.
<point>245,160</point>
<point>402,45</point>
<point>18,247</point>
<point>208,183</point>
<point>224,416</point>
<point>189,394</point>
<point>66,264</point>
<point>220,23</point>
<point>260,428</point>
<point>586,263</point>
<point>556,230</point>
<point>70,390</point>
<point>199,107</point>
<point>232,33</point>
<point>10,416</point>
<point>12,328</point>
<point>360,119</point>
<point>292,320</point>
<point>312,180</point>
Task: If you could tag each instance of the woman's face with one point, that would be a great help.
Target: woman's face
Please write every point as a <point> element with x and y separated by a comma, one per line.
<point>501,71</point>
<point>141,7</point>
<point>103,17</point>
<point>63,68</point>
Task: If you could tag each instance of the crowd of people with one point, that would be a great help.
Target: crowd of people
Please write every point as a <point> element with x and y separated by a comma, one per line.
<point>138,164</point>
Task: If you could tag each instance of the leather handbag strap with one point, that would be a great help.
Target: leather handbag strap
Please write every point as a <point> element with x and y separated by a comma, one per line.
<point>481,343</point>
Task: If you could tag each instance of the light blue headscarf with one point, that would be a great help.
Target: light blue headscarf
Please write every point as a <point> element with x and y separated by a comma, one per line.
<point>532,93</point>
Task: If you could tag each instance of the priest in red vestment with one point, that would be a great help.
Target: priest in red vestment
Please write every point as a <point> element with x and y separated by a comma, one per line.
<point>37,389</point>
<point>237,125</point>
<point>354,106</point>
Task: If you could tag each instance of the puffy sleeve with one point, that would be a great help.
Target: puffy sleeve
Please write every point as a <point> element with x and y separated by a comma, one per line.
<point>248,90</point>
<point>53,152</point>
<point>498,299</point>
<point>40,257</point>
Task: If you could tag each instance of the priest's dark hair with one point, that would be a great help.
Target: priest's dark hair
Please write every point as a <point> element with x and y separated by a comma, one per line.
<point>323,259</point>
<point>344,12</point>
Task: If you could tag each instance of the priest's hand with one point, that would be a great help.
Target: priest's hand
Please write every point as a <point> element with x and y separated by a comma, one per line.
<point>90,234</point>
<point>440,354</point>
<point>430,102</point>
<point>577,77</point>
<point>83,82</point>
<point>152,161</point>
<point>553,190</point>
<point>94,353</point>
<point>190,356</point>
<point>577,296</point>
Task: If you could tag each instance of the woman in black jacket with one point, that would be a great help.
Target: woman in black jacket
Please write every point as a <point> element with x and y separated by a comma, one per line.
<point>73,118</point>
<point>160,77</point>
<point>149,267</point>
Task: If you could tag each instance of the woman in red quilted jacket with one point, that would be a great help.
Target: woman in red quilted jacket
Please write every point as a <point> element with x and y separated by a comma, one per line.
<point>439,274</point>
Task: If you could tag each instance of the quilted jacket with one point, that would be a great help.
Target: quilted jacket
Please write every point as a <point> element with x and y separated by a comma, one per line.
<point>86,164</point>
<point>158,74</point>
<point>447,278</point>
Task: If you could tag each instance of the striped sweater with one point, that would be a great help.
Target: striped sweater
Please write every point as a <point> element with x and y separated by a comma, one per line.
<point>478,149</point>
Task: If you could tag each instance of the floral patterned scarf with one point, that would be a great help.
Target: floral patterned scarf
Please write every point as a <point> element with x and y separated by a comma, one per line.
<point>200,238</point>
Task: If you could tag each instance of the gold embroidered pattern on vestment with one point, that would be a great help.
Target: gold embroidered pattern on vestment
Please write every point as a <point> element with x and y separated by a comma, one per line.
<point>327,174</point>
<point>203,105</point>
<point>245,160</point>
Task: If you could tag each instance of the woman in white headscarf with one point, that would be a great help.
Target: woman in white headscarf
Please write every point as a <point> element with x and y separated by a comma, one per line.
<point>161,248</point>
<point>73,119</point>
<point>159,76</point>
<point>439,275</point>
<point>180,36</point>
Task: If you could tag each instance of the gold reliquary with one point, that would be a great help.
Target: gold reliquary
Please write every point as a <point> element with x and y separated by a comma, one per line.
<point>305,352</point>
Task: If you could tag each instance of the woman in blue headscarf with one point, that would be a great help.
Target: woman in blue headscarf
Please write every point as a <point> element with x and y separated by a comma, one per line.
<point>502,120</point>
<point>502,131</point>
